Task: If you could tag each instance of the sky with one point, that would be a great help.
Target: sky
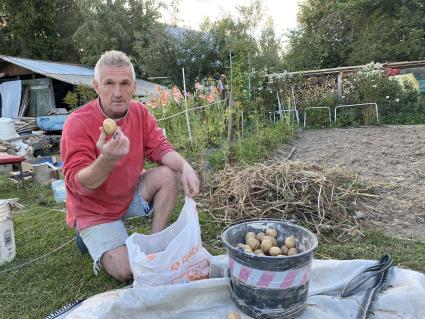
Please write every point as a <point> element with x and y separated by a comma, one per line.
<point>283,12</point>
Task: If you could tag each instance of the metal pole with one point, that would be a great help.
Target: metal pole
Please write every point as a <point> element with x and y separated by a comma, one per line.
<point>230,116</point>
<point>279,105</point>
<point>185,107</point>
<point>249,77</point>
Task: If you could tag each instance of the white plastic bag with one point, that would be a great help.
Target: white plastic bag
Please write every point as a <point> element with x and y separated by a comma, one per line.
<point>174,255</point>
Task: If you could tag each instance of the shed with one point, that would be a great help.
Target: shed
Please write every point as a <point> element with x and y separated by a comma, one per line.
<point>47,84</point>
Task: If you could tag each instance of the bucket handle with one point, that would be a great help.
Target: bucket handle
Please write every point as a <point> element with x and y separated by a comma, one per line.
<point>289,221</point>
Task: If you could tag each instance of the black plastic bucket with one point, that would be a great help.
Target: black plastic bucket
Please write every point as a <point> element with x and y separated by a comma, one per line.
<point>269,287</point>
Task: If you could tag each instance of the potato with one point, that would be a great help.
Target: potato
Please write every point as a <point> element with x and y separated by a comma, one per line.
<point>259,252</point>
<point>290,242</point>
<point>109,126</point>
<point>274,251</point>
<point>266,244</point>
<point>292,251</point>
<point>272,239</point>
<point>260,236</point>
<point>233,315</point>
<point>271,232</point>
<point>253,243</point>
<point>284,250</point>
<point>249,234</point>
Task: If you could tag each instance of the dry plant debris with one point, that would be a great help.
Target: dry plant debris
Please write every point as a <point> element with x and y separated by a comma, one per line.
<point>324,198</point>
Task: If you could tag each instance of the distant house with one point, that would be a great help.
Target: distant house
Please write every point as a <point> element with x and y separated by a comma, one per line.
<point>33,87</point>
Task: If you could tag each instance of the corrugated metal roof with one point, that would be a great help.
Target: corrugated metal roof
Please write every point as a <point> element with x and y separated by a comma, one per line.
<point>71,73</point>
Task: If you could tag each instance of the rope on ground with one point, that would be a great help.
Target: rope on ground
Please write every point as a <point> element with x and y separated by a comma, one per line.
<point>38,258</point>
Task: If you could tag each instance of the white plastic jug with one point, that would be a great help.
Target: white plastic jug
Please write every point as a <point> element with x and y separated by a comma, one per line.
<point>7,128</point>
<point>7,235</point>
<point>59,190</point>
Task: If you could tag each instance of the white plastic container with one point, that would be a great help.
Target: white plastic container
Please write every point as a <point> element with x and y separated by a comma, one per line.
<point>7,235</point>
<point>59,190</point>
<point>7,128</point>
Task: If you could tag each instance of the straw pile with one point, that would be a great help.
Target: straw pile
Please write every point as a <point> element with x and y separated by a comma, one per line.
<point>321,198</point>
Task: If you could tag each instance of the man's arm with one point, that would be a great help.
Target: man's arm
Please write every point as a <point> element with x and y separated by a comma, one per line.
<point>190,181</point>
<point>111,151</point>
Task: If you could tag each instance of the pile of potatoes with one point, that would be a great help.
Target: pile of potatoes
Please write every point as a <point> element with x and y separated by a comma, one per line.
<point>265,244</point>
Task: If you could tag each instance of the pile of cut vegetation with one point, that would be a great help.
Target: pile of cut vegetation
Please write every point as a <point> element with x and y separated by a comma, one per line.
<point>321,198</point>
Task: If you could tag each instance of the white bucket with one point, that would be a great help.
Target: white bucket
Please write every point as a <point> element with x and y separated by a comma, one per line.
<point>7,128</point>
<point>7,235</point>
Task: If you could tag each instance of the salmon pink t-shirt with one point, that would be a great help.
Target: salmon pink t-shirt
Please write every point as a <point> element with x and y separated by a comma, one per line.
<point>109,202</point>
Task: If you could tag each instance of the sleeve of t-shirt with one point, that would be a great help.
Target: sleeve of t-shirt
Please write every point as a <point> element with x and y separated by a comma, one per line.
<point>156,143</point>
<point>78,151</point>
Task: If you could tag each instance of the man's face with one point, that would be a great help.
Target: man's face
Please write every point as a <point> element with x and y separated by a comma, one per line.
<point>115,89</point>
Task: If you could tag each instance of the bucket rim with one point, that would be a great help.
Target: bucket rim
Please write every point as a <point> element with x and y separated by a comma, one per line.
<point>244,221</point>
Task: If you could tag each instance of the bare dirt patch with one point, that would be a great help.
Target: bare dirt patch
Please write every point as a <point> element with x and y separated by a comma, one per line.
<point>393,156</point>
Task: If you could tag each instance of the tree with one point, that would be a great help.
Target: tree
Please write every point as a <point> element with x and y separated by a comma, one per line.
<point>125,25</point>
<point>180,48</point>
<point>338,33</point>
<point>39,29</point>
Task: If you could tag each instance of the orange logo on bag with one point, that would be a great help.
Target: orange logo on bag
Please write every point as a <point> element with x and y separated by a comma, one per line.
<point>151,257</point>
<point>175,266</point>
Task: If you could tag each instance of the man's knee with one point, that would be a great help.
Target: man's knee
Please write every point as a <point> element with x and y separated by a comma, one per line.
<point>116,263</point>
<point>169,177</point>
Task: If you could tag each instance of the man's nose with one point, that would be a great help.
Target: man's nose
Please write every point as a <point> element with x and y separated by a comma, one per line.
<point>117,91</point>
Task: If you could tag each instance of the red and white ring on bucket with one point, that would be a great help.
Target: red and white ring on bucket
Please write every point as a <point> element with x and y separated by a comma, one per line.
<point>269,279</point>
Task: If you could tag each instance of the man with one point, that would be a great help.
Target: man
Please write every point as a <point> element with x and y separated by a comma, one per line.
<point>103,175</point>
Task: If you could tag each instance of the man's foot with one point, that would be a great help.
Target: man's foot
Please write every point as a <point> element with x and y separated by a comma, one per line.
<point>80,244</point>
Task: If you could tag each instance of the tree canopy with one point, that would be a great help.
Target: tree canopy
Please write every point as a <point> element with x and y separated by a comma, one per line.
<point>335,33</point>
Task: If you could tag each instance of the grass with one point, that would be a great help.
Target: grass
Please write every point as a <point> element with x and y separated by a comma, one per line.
<point>42,286</point>
<point>43,278</point>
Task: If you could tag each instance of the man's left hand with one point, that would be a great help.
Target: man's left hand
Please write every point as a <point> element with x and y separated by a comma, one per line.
<point>190,181</point>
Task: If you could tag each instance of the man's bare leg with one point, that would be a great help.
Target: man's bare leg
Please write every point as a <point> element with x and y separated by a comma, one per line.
<point>161,185</point>
<point>116,263</point>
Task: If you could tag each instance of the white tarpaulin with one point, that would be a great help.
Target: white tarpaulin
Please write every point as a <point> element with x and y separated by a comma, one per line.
<point>404,296</point>
<point>10,98</point>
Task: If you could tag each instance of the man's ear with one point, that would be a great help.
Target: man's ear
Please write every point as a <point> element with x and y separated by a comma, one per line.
<point>134,87</point>
<point>96,87</point>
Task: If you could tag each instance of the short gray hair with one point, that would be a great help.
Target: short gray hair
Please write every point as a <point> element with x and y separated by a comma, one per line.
<point>113,57</point>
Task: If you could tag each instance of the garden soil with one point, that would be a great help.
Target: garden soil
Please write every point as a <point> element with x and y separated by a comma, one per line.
<point>390,156</point>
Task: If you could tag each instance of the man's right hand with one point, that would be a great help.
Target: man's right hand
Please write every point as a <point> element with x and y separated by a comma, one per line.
<point>111,151</point>
<point>117,147</point>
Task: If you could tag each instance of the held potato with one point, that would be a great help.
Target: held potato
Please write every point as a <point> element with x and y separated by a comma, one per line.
<point>109,126</point>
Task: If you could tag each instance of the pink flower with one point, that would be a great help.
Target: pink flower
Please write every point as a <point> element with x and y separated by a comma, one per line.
<point>177,94</point>
<point>164,98</point>
<point>210,98</point>
<point>152,104</point>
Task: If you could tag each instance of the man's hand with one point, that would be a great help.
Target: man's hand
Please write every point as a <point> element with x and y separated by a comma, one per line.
<point>117,147</point>
<point>111,151</point>
<point>190,181</point>
<point>189,178</point>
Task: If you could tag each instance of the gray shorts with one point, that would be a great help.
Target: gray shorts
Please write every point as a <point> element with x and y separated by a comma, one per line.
<point>103,237</point>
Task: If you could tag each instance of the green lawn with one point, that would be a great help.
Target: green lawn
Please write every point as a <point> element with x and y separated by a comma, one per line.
<point>46,284</point>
